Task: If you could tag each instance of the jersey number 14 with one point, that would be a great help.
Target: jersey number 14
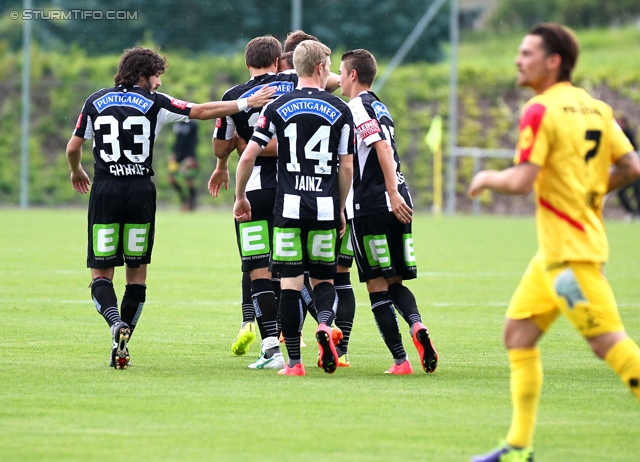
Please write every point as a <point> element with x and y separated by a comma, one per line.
<point>323,156</point>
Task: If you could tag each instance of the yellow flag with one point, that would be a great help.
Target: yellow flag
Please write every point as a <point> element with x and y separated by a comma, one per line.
<point>434,135</point>
<point>434,141</point>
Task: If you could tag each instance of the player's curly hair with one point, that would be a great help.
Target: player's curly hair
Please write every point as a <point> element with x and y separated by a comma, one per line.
<point>364,63</point>
<point>139,62</point>
<point>560,40</point>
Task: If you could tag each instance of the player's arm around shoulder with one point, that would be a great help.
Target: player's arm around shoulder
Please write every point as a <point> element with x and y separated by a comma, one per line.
<point>79,178</point>
<point>214,109</point>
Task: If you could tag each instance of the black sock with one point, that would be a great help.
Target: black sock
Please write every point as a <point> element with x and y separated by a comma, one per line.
<point>324,295</point>
<point>105,300</point>
<point>132,304</point>
<point>248,313</point>
<point>405,303</point>
<point>346,308</point>
<point>308,303</point>
<point>290,313</point>
<point>385,316</point>
<point>275,282</point>
<point>265,306</point>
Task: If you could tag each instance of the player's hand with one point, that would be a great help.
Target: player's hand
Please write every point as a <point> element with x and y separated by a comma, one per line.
<point>477,185</point>
<point>218,177</point>
<point>343,224</point>
<point>80,181</point>
<point>261,97</point>
<point>242,210</point>
<point>400,208</point>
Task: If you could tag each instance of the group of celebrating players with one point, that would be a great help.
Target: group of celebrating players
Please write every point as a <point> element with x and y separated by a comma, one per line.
<point>291,202</point>
<point>319,185</point>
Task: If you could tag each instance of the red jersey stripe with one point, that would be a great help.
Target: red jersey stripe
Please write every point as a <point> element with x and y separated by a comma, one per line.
<point>562,215</point>
<point>532,118</point>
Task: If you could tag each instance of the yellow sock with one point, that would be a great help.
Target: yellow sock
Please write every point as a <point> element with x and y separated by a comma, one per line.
<point>624,359</point>
<point>526,386</point>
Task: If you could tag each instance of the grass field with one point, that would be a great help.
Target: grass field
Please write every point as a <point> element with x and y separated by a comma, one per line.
<point>186,397</point>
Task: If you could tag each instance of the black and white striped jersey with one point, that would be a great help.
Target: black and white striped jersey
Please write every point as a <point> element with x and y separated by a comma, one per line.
<point>313,128</point>
<point>373,123</point>
<point>124,123</point>
<point>265,170</point>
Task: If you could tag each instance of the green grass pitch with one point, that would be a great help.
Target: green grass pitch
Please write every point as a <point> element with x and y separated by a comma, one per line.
<point>186,397</point>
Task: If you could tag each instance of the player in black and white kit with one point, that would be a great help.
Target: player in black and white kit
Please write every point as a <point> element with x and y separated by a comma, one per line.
<point>124,121</point>
<point>314,132</point>
<point>346,308</point>
<point>262,55</point>
<point>382,237</point>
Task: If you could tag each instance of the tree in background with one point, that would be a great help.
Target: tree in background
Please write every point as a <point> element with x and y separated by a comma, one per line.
<point>574,13</point>
<point>225,26</point>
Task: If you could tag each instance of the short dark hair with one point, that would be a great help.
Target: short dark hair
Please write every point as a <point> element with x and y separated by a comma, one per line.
<point>262,51</point>
<point>560,40</point>
<point>288,58</point>
<point>364,63</point>
<point>139,62</point>
<point>295,38</point>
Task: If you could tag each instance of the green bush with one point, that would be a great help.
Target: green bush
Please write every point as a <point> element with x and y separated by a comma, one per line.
<point>489,105</point>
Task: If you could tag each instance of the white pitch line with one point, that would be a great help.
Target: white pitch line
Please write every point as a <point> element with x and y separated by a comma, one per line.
<point>237,302</point>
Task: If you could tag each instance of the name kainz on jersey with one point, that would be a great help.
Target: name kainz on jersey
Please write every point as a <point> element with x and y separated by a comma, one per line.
<point>308,183</point>
<point>128,170</point>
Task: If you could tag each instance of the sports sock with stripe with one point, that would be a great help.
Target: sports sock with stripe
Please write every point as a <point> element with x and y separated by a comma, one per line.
<point>248,313</point>
<point>405,303</point>
<point>290,313</point>
<point>132,304</point>
<point>385,316</point>
<point>265,307</point>
<point>105,300</point>
<point>324,295</point>
<point>346,310</point>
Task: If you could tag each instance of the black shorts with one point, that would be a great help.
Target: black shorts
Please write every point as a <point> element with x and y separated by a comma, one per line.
<point>304,245</point>
<point>121,218</point>
<point>345,247</point>
<point>254,237</point>
<point>383,247</point>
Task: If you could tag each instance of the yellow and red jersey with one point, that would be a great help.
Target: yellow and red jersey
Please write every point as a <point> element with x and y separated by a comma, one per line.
<point>574,139</point>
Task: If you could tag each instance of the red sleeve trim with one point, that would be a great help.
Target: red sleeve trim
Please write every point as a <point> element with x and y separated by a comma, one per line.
<point>562,215</point>
<point>529,126</point>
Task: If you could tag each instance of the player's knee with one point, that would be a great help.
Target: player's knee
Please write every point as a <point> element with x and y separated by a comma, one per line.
<point>521,333</point>
<point>100,281</point>
<point>601,344</point>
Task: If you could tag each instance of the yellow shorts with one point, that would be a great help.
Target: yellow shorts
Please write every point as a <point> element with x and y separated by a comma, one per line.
<point>579,290</point>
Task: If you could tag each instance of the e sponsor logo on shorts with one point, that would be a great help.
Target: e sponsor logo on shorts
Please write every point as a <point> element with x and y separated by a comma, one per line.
<point>254,238</point>
<point>377,250</point>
